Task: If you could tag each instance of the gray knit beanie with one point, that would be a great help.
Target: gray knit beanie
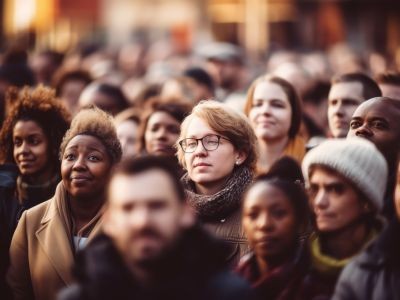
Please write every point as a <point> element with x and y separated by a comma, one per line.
<point>356,159</point>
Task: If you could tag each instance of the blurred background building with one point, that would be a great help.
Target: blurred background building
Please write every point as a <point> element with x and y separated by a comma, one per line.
<point>257,25</point>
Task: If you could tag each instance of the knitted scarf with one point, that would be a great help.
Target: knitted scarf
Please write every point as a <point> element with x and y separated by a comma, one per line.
<point>30,195</point>
<point>328,265</point>
<point>224,202</point>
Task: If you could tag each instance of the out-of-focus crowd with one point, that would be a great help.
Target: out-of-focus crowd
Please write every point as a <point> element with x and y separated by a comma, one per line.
<point>140,173</point>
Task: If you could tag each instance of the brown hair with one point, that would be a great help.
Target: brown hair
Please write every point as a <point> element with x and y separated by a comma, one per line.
<point>290,92</point>
<point>95,122</point>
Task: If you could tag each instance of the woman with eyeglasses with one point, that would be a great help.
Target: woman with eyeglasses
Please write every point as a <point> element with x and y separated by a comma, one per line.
<point>217,147</point>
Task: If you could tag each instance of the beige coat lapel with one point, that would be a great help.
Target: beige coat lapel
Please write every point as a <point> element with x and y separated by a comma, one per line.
<point>55,243</point>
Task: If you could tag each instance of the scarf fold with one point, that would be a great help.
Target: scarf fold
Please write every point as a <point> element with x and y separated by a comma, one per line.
<point>329,265</point>
<point>62,199</point>
<point>281,282</point>
<point>222,203</point>
<point>30,195</point>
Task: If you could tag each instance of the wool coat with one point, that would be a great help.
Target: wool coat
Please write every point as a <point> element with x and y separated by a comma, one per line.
<point>41,253</point>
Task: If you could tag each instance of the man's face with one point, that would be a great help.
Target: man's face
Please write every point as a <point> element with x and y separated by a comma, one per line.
<point>343,99</point>
<point>225,73</point>
<point>377,121</point>
<point>144,217</point>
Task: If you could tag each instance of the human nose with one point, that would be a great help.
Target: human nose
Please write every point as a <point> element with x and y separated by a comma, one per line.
<point>363,131</point>
<point>79,163</point>
<point>23,148</point>
<point>320,199</point>
<point>338,109</point>
<point>264,222</point>
<point>161,133</point>
<point>200,149</point>
<point>140,218</point>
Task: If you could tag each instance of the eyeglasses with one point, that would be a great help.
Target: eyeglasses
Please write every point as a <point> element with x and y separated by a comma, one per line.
<point>210,142</point>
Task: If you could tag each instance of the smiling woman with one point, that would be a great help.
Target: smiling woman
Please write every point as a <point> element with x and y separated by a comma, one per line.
<point>49,234</point>
<point>28,152</point>
<point>274,111</point>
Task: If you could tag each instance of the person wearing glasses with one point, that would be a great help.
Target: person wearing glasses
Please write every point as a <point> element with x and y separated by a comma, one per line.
<point>217,147</point>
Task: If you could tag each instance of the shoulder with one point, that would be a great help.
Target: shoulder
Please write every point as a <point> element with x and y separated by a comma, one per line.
<point>227,285</point>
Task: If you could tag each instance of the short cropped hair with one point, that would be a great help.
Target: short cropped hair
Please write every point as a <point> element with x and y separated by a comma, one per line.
<point>41,106</point>
<point>95,122</point>
<point>388,78</point>
<point>370,87</point>
<point>290,92</point>
<point>138,165</point>
<point>227,122</point>
<point>63,76</point>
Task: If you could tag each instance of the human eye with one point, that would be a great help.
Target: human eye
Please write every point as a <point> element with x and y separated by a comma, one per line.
<point>69,156</point>
<point>312,190</point>
<point>278,104</point>
<point>279,213</point>
<point>336,189</point>
<point>211,140</point>
<point>379,124</point>
<point>252,214</point>
<point>94,158</point>
<point>189,144</point>
<point>257,103</point>
<point>34,140</point>
<point>17,142</point>
<point>354,124</point>
<point>154,128</point>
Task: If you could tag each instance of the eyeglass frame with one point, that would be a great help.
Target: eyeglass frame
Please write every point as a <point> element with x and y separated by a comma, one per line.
<point>201,140</point>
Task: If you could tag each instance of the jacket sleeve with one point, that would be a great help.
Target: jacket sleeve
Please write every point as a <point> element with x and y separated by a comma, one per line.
<point>349,283</point>
<point>18,276</point>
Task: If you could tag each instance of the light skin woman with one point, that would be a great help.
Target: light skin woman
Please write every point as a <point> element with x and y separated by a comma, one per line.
<point>217,148</point>
<point>274,112</point>
<point>48,236</point>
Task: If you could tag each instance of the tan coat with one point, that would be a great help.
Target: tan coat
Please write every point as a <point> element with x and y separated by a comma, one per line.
<point>41,254</point>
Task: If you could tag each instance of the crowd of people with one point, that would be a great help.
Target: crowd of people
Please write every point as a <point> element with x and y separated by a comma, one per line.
<point>162,175</point>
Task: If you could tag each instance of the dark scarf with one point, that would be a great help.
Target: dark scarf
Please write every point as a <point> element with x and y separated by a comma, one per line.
<point>282,282</point>
<point>224,202</point>
<point>30,195</point>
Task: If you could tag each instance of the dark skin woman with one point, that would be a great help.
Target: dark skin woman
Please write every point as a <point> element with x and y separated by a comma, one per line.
<point>48,236</point>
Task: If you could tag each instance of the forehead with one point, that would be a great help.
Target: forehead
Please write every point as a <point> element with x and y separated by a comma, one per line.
<point>265,194</point>
<point>269,90</point>
<point>323,175</point>
<point>141,188</point>
<point>378,108</point>
<point>27,127</point>
<point>390,90</point>
<point>347,90</point>
<point>198,127</point>
<point>83,141</point>
<point>161,117</point>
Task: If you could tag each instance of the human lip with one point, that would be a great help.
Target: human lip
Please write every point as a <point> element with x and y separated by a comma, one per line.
<point>201,164</point>
<point>266,240</point>
<point>80,178</point>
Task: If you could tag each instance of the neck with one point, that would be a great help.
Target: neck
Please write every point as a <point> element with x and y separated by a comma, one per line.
<point>270,152</point>
<point>142,275</point>
<point>39,179</point>
<point>84,210</point>
<point>208,190</point>
<point>346,243</point>
<point>266,265</point>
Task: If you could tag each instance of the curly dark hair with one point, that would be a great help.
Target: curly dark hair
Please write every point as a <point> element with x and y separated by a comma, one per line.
<point>95,122</point>
<point>41,106</point>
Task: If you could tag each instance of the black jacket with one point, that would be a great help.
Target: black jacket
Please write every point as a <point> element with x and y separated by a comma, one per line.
<point>193,270</point>
<point>375,273</point>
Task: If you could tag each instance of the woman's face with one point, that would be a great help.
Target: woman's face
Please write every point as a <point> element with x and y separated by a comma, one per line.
<point>269,221</point>
<point>210,169</point>
<point>271,113</point>
<point>85,167</point>
<point>127,135</point>
<point>334,201</point>
<point>30,150</point>
<point>162,132</point>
